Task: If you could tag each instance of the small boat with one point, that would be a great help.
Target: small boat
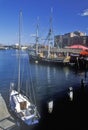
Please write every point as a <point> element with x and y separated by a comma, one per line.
<point>23,108</point>
<point>21,105</point>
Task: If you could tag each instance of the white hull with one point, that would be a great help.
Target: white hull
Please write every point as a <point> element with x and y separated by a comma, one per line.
<point>23,109</point>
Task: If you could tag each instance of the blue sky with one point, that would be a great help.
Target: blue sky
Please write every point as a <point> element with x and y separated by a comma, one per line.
<point>68,16</point>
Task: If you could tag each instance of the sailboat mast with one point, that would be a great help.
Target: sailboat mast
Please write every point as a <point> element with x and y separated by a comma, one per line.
<point>20,15</point>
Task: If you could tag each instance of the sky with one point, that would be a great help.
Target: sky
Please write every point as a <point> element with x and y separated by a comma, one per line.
<point>67,16</point>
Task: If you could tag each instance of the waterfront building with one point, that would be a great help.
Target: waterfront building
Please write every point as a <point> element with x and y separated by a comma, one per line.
<point>71,38</point>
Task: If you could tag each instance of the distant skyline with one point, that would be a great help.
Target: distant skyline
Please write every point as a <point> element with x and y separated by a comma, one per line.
<point>68,16</point>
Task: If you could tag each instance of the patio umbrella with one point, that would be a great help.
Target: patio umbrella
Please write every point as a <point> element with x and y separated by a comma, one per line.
<point>84,52</point>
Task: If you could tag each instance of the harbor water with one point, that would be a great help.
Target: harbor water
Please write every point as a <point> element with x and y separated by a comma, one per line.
<point>44,83</point>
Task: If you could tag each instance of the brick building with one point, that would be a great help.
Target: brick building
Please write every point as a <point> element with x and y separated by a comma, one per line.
<point>69,39</point>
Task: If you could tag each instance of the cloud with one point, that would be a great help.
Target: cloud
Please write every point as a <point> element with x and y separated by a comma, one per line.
<point>85,12</point>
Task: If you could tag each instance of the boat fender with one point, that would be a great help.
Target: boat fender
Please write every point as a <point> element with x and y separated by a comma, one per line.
<point>50,106</point>
<point>70,93</point>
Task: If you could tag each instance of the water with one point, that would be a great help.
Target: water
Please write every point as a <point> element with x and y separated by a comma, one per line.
<point>48,82</point>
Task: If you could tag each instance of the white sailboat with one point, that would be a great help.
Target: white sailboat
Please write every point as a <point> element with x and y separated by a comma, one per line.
<point>20,105</point>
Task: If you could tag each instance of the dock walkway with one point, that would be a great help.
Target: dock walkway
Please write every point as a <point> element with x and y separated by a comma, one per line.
<point>7,122</point>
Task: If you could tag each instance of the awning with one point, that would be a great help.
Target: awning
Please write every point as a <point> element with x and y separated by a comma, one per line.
<point>78,47</point>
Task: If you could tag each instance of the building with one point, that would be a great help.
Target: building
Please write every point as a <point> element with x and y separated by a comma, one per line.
<point>69,39</point>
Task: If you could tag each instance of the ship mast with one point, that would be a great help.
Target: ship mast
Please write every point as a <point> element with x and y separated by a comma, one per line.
<point>37,36</point>
<point>50,34</point>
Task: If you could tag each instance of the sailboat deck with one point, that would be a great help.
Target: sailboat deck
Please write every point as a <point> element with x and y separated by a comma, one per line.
<point>20,101</point>
<point>19,98</point>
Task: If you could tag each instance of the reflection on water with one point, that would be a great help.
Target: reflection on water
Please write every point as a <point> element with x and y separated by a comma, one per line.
<point>48,76</point>
<point>67,72</point>
<point>50,80</point>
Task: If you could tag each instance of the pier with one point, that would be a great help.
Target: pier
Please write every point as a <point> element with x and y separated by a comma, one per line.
<point>59,50</point>
<point>7,122</point>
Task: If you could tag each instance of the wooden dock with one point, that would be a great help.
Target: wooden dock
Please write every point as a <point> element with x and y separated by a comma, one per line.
<point>7,122</point>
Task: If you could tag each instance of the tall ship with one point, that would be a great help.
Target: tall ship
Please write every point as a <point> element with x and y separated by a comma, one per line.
<point>46,54</point>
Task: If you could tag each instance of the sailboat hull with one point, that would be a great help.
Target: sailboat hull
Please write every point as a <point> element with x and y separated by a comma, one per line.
<point>23,109</point>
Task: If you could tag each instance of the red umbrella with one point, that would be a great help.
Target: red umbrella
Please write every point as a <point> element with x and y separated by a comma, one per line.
<point>84,52</point>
